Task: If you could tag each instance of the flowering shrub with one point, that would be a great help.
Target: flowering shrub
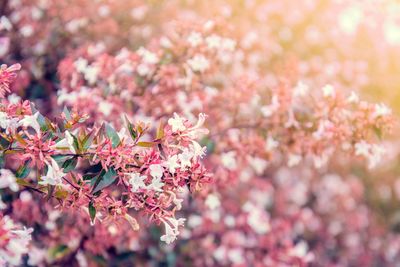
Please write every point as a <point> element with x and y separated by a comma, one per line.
<point>280,172</point>
<point>151,171</point>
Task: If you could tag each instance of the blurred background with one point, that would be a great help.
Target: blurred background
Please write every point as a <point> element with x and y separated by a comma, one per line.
<point>341,215</point>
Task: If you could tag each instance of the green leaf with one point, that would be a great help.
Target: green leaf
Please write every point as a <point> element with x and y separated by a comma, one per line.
<point>50,191</point>
<point>87,141</point>
<point>61,194</point>
<point>60,159</point>
<point>67,113</point>
<point>23,170</point>
<point>113,135</point>
<point>378,132</point>
<point>160,131</point>
<point>104,179</point>
<point>76,143</point>
<point>209,143</point>
<point>42,122</point>
<point>131,129</point>
<point>70,164</point>
<point>58,251</point>
<point>92,211</point>
<point>147,144</point>
<point>2,161</point>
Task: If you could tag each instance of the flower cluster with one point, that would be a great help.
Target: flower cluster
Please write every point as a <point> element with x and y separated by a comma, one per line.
<point>125,170</point>
<point>14,241</point>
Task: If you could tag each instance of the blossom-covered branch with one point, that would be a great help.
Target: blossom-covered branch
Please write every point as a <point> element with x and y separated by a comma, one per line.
<point>148,172</point>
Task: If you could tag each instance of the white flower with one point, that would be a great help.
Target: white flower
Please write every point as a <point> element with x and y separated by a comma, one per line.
<point>212,201</point>
<point>258,164</point>
<point>301,251</point>
<point>169,236</point>
<point>228,44</point>
<point>228,160</point>
<point>177,123</point>
<point>199,63</point>
<point>353,98</point>
<point>10,124</point>
<point>185,158</point>
<point>139,12</point>
<point>197,131</point>
<point>105,107</point>
<point>91,73</point>
<point>156,185</point>
<point>194,39</point>
<point>26,30</point>
<point>376,155</point>
<point>362,149</point>
<point>213,41</point>
<point>381,110</point>
<point>136,181</point>
<point>147,56</point>
<point>17,245</point>
<point>14,99</point>
<point>53,176</point>
<point>198,150</point>
<point>165,42</point>
<point>328,91</point>
<point>81,65</point>
<point>301,89</point>
<point>373,153</point>
<point>271,144</point>
<point>268,110</point>
<point>294,160</point>
<point>178,203</point>
<point>171,229</point>
<point>68,141</point>
<point>258,221</point>
<point>8,180</point>
<point>3,205</point>
<point>5,23</point>
<point>172,163</point>
<point>143,69</point>
<point>156,171</point>
<point>31,121</point>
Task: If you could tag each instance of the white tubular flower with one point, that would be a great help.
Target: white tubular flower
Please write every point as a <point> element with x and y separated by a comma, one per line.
<point>294,160</point>
<point>199,63</point>
<point>197,131</point>
<point>137,182</point>
<point>172,164</point>
<point>328,91</point>
<point>212,201</point>
<point>353,98</point>
<point>156,171</point>
<point>177,123</point>
<point>8,180</point>
<point>271,144</point>
<point>147,56</point>
<point>19,239</point>
<point>67,142</point>
<point>194,39</point>
<point>229,160</point>
<point>12,125</point>
<point>300,90</point>
<point>185,158</point>
<point>362,149</point>
<point>31,121</point>
<point>54,174</point>
<point>171,229</point>
<point>198,150</point>
<point>381,110</point>
<point>156,185</point>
